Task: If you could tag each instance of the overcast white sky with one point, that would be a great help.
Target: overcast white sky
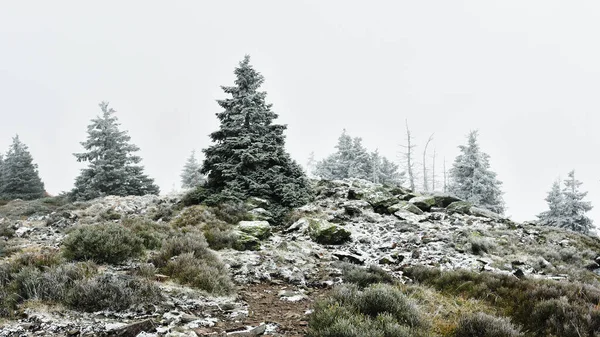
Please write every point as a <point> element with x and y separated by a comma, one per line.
<point>525,73</point>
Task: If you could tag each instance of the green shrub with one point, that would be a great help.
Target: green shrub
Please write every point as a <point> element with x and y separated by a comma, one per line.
<point>483,325</point>
<point>195,196</point>
<point>111,291</point>
<point>379,310</point>
<point>103,243</point>
<point>6,230</point>
<point>151,233</point>
<point>541,307</point>
<point>188,260</point>
<point>362,277</point>
<point>208,276</point>
<point>75,285</point>
<point>216,222</point>
<point>221,238</point>
<point>480,245</point>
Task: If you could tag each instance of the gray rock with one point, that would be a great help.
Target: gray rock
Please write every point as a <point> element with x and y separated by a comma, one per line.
<point>326,233</point>
<point>258,229</point>
<point>424,203</point>
<point>461,207</point>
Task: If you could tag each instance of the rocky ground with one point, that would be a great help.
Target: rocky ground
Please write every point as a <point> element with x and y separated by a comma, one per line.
<point>295,264</point>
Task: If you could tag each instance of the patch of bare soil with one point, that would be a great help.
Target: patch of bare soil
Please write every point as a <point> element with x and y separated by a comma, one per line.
<point>285,306</point>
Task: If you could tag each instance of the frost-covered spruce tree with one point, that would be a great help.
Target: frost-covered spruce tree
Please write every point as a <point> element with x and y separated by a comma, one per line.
<point>472,180</point>
<point>554,216</point>
<point>389,174</point>
<point>191,176</point>
<point>113,167</point>
<point>359,161</point>
<point>574,208</point>
<point>20,178</point>
<point>311,165</point>
<point>248,157</point>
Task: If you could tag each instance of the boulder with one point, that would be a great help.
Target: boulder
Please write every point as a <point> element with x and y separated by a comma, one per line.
<point>424,203</point>
<point>461,207</point>
<point>485,213</point>
<point>258,229</point>
<point>408,216</point>
<point>408,196</point>
<point>246,242</point>
<point>403,205</point>
<point>324,232</point>
<point>379,197</point>
<point>443,200</point>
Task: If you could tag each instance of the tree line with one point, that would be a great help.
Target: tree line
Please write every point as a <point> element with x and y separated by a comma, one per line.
<point>248,158</point>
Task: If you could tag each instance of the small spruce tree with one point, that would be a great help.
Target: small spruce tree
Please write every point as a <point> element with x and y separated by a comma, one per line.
<point>472,180</point>
<point>191,176</point>
<point>19,175</point>
<point>113,168</point>
<point>389,174</point>
<point>554,216</point>
<point>574,207</point>
<point>248,157</point>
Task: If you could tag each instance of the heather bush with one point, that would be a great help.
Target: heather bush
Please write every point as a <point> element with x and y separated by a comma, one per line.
<point>103,243</point>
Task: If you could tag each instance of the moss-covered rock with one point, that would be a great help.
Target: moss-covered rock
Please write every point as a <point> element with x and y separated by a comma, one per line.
<point>424,203</point>
<point>245,241</point>
<point>403,205</point>
<point>326,233</point>
<point>443,200</point>
<point>461,207</point>
<point>258,229</point>
<point>379,197</point>
<point>485,213</point>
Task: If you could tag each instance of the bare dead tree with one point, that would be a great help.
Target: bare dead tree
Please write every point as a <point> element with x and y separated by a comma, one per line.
<point>425,182</point>
<point>408,159</point>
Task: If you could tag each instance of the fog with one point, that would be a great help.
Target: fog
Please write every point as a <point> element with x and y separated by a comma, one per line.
<point>525,74</point>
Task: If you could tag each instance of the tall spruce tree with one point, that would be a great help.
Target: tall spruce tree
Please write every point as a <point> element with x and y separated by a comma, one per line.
<point>472,180</point>
<point>113,168</point>
<point>554,216</point>
<point>248,157</point>
<point>574,208</point>
<point>191,176</point>
<point>19,175</point>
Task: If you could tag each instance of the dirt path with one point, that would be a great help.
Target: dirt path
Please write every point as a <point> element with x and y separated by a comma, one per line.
<point>268,303</point>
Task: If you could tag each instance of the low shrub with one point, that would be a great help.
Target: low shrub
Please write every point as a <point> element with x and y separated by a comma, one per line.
<point>189,260</point>
<point>195,196</point>
<point>379,310</point>
<point>483,325</point>
<point>364,277</point>
<point>112,291</point>
<point>103,243</point>
<point>541,307</point>
<point>75,285</point>
<point>152,233</point>
<point>480,245</point>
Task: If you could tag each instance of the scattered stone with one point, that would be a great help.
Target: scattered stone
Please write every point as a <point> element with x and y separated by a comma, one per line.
<point>133,329</point>
<point>352,258</point>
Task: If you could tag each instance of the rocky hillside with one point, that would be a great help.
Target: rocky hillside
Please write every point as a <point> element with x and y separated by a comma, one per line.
<point>147,266</point>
